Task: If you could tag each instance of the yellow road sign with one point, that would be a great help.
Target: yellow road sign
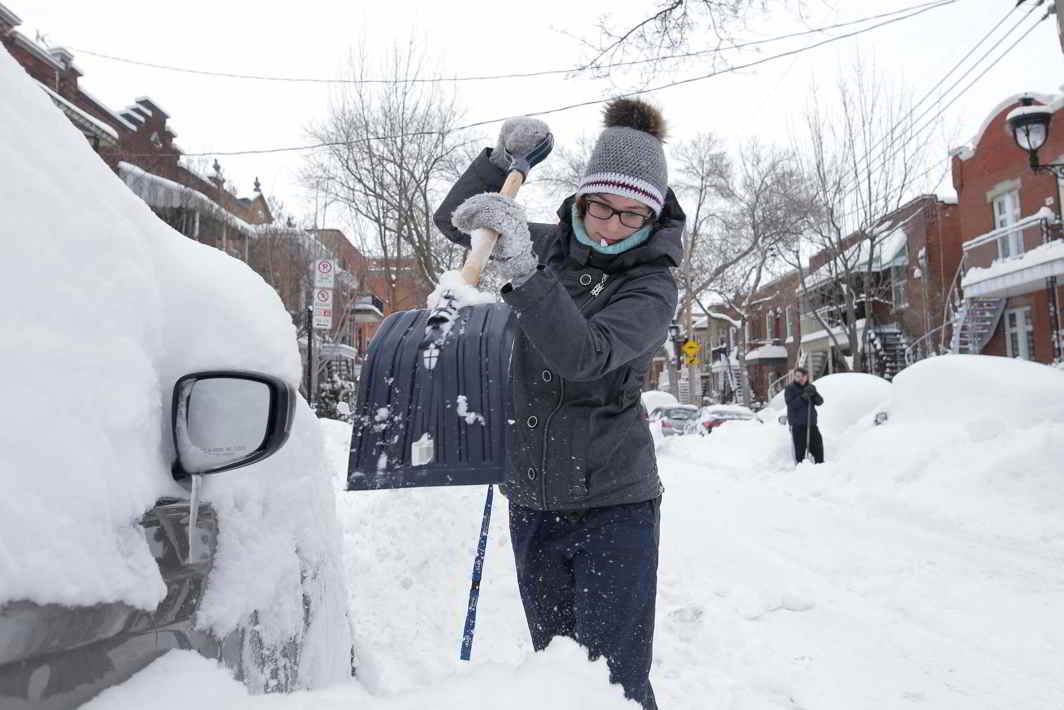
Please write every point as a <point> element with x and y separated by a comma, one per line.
<point>690,347</point>
<point>691,360</point>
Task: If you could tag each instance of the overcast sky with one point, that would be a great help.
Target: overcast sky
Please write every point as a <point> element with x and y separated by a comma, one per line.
<point>313,38</point>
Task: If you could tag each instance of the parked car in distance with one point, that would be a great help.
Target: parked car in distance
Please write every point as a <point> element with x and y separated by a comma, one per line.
<point>714,415</point>
<point>680,419</point>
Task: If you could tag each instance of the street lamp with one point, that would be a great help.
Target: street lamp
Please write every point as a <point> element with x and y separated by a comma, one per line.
<point>677,340</point>
<point>1029,125</point>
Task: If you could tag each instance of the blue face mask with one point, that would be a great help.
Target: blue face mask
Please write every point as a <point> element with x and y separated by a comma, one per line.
<point>625,244</point>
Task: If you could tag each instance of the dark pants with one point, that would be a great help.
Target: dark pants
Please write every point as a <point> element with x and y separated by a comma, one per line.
<point>816,444</point>
<point>592,576</point>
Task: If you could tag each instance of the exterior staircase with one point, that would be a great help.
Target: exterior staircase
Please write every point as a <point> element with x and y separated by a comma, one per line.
<point>889,348</point>
<point>817,364</point>
<point>975,323</point>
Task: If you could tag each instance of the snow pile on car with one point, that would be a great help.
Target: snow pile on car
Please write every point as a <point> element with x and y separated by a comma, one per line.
<point>848,396</point>
<point>105,307</point>
<point>972,442</point>
<point>973,439</point>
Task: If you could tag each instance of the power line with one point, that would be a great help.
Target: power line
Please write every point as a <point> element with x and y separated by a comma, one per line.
<point>560,109</point>
<point>492,77</point>
<point>854,188</point>
<point>912,109</point>
<point>962,92</point>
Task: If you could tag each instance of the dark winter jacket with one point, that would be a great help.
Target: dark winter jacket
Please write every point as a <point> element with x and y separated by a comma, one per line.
<point>588,327</point>
<point>799,411</point>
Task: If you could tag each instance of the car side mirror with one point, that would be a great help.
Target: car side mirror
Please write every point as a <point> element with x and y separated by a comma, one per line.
<point>881,418</point>
<point>224,420</point>
<point>227,419</point>
<point>783,419</point>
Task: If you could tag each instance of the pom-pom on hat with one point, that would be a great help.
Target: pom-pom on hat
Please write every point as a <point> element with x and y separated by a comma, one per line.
<point>628,158</point>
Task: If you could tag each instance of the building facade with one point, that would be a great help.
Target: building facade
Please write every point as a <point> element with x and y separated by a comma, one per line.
<point>1011,289</point>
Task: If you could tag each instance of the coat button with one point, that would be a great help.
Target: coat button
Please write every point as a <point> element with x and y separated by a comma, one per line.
<point>547,377</point>
<point>533,421</point>
<point>531,473</point>
<point>585,279</point>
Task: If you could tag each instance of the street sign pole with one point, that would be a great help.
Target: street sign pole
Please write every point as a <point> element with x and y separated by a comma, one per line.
<point>310,355</point>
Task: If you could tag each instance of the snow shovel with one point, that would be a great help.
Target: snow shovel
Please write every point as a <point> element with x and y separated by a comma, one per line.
<point>434,399</point>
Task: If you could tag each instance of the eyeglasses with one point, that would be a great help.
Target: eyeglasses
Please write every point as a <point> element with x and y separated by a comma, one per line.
<point>603,211</point>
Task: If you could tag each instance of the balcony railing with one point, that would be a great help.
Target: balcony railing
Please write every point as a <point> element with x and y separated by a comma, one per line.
<point>1008,242</point>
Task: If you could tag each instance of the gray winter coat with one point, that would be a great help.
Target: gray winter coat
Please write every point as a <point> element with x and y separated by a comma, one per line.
<point>589,325</point>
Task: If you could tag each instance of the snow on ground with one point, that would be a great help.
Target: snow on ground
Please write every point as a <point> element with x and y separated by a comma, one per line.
<point>922,566</point>
<point>106,307</point>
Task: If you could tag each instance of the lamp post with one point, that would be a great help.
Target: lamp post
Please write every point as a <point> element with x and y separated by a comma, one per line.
<point>678,340</point>
<point>1029,125</point>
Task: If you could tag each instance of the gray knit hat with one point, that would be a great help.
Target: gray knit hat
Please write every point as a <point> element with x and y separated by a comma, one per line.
<point>628,158</point>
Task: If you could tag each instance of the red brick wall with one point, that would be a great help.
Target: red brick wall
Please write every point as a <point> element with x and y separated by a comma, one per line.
<point>995,160</point>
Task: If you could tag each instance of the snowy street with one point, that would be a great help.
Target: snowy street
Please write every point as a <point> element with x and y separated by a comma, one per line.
<point>779,587</point>
<point>264,350</point>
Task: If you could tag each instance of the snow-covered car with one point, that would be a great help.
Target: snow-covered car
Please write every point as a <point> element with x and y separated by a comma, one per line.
<point>154,361</point>
<point>676,420</point>
<point>714,415</point>
<point>654,399</point>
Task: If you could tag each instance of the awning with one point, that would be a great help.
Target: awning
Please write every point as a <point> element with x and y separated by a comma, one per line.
<point>1015,277</point>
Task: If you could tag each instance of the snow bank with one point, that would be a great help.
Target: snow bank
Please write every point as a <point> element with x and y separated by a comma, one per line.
<point>559,678</point>
<point>972,441</point>
<point>106,307</point>
<point>739,447</point>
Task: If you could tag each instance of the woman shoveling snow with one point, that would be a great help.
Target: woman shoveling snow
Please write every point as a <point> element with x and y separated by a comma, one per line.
<point>593,295</point>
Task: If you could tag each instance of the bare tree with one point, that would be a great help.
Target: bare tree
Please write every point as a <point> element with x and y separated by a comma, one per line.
<point>703,181</point>
<point>387,155</point>
<point>771,204</point>
<point>670,29</point>
<point>864,159</point>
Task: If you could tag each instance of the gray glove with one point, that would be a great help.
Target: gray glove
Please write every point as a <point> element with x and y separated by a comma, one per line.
<point>513,251</point>
<point>517,137</point>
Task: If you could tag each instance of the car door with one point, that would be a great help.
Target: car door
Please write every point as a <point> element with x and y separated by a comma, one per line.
<point>54,656</point>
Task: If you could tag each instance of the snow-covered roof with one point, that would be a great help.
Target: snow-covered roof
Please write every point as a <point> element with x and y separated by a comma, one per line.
<point>68,107</point>
<point>1014,276</point>
<point>142,100</point>
<point>9,17</point>
<point>768,352</point>
<point>103,107</point>
<point>724,317</point>
<point>36,50</point>
<point>158,191</point>
<point>966,151</point>
<point>330,351</point>
<point>888,251</point>
<point>839,331</point>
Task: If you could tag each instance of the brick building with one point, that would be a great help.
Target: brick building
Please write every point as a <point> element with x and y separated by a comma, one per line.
<point>1010,294</point>
<point>900,290</point>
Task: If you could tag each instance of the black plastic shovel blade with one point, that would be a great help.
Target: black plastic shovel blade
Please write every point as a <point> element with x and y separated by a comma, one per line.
<point>434,401</point>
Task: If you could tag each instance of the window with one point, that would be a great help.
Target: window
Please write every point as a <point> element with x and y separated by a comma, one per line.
<point>897,286</point>
<point>768,326</point>
<point>1019,333</point>
<point>1006,214</point>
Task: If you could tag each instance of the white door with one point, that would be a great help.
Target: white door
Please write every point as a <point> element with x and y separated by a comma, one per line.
<point>1019,333</point>
<point>1006,214</point>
